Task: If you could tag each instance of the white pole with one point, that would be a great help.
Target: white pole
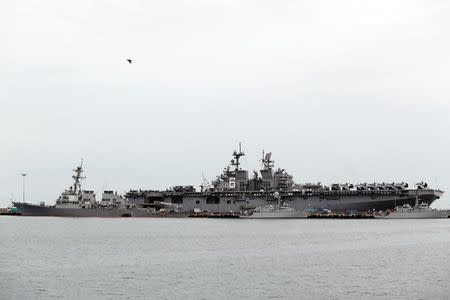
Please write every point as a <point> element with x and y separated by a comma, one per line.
<point>23,186</point>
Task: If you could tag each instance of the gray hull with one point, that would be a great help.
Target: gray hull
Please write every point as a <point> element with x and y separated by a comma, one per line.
<point>277,214</point>
<point>335,201</point>
<point>367,201</point>
<point>432,214</point>
<point>236,202</point>
<point>27,209</point>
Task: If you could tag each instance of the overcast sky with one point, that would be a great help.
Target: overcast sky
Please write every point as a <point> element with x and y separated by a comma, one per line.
<point>339,91</point>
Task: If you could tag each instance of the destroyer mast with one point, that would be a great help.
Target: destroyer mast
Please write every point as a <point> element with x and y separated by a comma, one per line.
<point>77,178</point>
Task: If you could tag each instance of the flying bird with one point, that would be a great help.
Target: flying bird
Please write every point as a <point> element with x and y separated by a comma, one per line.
<point>129,60</point>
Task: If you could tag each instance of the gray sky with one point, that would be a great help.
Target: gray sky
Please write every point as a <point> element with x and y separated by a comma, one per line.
<point>339,91</point>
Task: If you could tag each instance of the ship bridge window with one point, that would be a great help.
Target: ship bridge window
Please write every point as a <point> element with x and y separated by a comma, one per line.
<point>213,200</point>
<point>178,199</point>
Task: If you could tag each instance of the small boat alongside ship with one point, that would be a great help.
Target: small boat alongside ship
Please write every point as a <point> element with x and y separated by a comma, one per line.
<point>274,212</point>
<point>418,211</point>
<point>280,210</point>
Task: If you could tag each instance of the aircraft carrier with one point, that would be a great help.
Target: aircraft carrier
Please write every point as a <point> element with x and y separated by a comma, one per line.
<point>234,191</point>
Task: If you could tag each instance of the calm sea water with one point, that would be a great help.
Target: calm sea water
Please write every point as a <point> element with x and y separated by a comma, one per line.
<point>42,258</point>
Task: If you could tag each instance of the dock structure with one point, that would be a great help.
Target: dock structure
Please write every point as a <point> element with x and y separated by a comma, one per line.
<point>9,212</point>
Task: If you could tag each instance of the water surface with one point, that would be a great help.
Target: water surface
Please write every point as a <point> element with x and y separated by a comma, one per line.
<point>83,258</point>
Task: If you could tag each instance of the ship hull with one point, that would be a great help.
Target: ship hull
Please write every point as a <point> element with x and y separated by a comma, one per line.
<point>432,214</point>
<point>335,201</point>
<point>238,202</point>
<point>27,209</point>
<point>277,214</point>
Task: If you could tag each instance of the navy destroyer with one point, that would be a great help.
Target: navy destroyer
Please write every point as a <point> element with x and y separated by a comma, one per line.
<point>75,202</point>
<point>235,191</point>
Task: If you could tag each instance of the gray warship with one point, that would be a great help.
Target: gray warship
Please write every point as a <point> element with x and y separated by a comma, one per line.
<point>75,202</point>
<point>418,211</point>
<point>234,191</point>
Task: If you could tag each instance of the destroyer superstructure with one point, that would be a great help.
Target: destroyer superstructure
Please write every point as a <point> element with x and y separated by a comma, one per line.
<point>75,202</point>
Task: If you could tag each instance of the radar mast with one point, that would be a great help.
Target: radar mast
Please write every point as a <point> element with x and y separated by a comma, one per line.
<point>77,177</point>
<point>267,161</point>
<point>237,155</point>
